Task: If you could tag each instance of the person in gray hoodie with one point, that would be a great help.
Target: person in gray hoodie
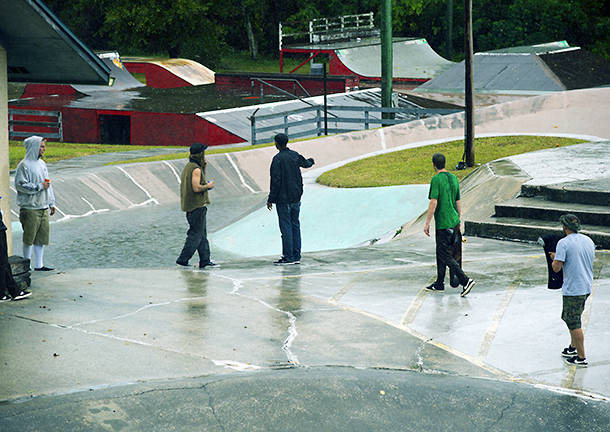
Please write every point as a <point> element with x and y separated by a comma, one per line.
<point>35,199</point>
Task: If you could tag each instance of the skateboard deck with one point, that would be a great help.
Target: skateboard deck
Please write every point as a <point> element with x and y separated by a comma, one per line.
<point>549,245</point>
<point>456,253</point>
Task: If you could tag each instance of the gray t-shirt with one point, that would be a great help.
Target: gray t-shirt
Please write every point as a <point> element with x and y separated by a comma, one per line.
<point>576,251</point>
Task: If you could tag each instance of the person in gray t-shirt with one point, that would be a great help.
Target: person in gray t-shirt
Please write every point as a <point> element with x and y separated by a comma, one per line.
<point>575,253</point>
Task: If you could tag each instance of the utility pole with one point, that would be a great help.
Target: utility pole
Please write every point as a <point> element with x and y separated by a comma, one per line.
<point>469,90</point>
<point>449,38</point>
<point>386,57</point>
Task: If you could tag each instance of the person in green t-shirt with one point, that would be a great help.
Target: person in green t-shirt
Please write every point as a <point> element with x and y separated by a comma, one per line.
<point>445,206</point>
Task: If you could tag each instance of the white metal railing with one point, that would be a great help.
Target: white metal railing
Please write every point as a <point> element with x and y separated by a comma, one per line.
<point>311,121</point>
<point>321,29</point>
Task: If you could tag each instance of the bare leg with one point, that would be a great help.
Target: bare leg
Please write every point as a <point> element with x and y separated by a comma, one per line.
<point>578,342</point>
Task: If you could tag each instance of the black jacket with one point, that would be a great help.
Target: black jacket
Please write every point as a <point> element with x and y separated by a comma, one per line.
<point>286,180</point>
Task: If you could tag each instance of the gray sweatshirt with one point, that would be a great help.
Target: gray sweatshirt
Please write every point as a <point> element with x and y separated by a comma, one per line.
<point>29,177</point>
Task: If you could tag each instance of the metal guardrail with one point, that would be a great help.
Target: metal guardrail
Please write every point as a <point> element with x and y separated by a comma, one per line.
<point>324,29</point>
<point>295,83</point>
<point>59,135</point>
<point>297,118</point>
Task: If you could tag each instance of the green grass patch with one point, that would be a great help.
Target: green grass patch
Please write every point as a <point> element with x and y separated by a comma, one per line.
<point>414,166</point>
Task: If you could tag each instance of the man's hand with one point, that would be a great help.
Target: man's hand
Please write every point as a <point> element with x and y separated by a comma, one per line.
<point>427,229</point>
<point>269,206</point>
<point>46,184</point>
<point>52,211</point>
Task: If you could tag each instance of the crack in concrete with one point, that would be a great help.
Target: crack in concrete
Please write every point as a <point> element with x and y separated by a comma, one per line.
<point>502,411</point>
<point>292,320</point>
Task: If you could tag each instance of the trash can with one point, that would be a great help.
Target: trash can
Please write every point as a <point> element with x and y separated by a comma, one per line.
<point>317,68</point>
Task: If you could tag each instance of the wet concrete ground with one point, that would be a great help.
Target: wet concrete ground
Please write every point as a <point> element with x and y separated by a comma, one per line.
<point>349,340</point>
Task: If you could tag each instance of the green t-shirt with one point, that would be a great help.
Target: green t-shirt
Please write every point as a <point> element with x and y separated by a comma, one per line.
<point>445,188</point>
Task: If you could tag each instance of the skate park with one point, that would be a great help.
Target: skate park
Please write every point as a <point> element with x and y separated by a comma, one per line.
<point>348,340</point>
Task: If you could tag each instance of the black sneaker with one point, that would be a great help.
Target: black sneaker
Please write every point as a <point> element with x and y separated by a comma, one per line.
<point>184,266</point>
<point>435,287</point>
<point>5,298</point>
<point>23,294</point>
<point>210,264</point>
<point>283,261</point>
<point>577,361</point>
<point>467,287</point>
<point>44,268</point>
<point>569,352</point>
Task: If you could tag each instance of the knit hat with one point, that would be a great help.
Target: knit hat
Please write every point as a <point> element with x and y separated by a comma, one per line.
<point>198,148</point>
<point>570,221</point>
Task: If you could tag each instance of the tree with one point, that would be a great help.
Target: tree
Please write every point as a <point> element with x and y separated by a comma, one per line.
<point>187,28</point>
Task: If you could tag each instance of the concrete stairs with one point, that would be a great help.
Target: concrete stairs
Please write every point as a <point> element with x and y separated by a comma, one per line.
<point>536,211</point>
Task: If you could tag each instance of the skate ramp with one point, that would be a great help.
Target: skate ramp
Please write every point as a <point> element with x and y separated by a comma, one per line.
<point>529,70</point>
<point>412,59</point>
<point>330,219</point>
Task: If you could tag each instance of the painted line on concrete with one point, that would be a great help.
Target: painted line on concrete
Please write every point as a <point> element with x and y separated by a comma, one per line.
<point>241,177</point>
<point>492,328</point>
<point>413,308</point>
<point>171,167</point>
<point>150,197</point>
<point>112,188</point>
<point>352,283</point>
<point>439,345</point>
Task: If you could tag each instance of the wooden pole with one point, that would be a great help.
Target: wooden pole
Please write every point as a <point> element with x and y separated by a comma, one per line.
<point>387,62</point>
<point>468,48</point>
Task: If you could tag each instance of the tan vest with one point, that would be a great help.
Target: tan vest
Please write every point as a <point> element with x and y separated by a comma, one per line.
<point>189,200</point>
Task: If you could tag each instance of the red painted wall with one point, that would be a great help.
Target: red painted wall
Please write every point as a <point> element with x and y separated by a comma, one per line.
<point>177,130</point>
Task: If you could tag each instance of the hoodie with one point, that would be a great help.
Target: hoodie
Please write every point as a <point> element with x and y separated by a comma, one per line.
<point>30,175</point>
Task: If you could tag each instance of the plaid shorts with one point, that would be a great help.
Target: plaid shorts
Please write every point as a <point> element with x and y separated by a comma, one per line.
<point>35,224</point>
<point>573,306</point>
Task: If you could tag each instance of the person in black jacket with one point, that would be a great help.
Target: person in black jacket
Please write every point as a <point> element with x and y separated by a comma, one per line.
<point>285,192</point>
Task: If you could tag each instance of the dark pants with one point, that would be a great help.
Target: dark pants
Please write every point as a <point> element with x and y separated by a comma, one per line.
<point>290,227</point>
<point>444,241</point>
<point>7,283</point>
<point>196,238</point>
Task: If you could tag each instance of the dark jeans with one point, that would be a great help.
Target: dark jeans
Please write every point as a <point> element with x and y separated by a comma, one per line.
<point>444,240</point>
<point>7,283</point>
<point>196,238</point>
<point>290,227</point>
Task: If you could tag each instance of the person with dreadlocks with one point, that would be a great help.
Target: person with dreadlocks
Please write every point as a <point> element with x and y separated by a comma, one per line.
<point>194,201</point>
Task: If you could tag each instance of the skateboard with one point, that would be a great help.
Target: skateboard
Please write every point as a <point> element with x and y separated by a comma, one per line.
<point>456,253</point>
<point>549,243</point>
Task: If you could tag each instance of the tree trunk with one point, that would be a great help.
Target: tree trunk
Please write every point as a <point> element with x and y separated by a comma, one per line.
<point>251,41</point>
<point>174,52</point>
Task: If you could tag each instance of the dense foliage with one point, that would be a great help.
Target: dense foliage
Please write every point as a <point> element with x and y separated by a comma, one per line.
<point>204,30</point>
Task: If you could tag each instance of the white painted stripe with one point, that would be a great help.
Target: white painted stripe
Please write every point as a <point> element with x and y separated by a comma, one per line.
<point>241,178</point>
<point>173,170</point>
<point>151,198</point>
